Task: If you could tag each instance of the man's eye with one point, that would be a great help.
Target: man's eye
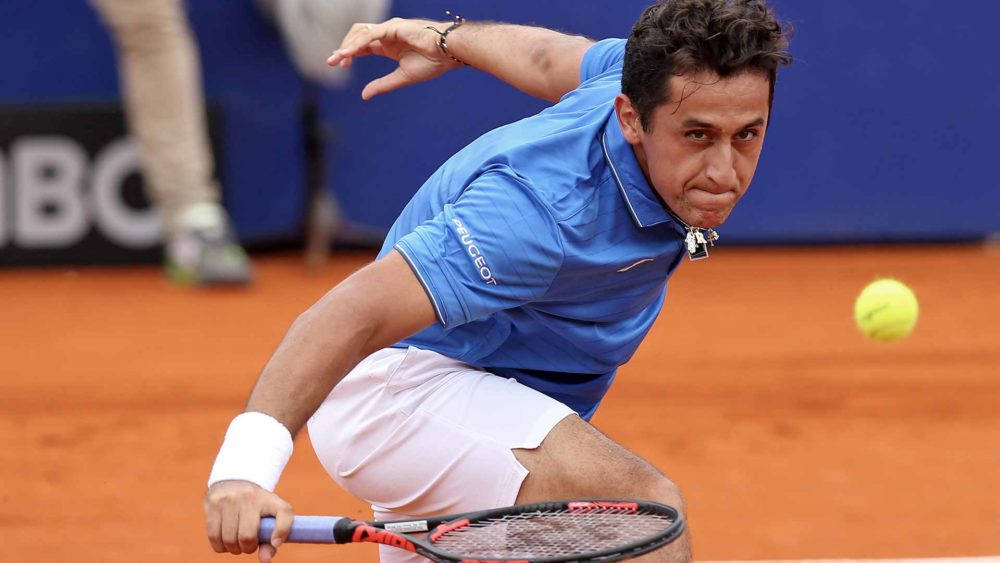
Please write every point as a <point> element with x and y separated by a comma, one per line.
<point>697,135</point>
<point>747,135</point>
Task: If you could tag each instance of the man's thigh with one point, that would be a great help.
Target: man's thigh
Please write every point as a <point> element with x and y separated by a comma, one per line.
<point>578,461</point>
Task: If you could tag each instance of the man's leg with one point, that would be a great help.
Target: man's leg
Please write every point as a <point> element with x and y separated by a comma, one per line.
<point>417,434</point>
<point>576,460</point>
<point>162,93</point>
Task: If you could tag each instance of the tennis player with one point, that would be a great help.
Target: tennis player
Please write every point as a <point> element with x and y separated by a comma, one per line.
<point>457,372</point>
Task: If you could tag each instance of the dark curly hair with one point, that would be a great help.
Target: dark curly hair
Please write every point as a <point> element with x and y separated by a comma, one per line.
<point>675,37</point>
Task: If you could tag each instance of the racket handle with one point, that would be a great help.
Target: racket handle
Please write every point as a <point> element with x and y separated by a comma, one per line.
<point>305,529</point>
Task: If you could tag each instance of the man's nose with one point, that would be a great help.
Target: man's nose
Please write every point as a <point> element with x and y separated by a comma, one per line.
<point>721,167</point>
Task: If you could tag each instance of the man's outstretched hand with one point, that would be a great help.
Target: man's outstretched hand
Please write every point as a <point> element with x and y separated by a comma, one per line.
<point>408,42</point>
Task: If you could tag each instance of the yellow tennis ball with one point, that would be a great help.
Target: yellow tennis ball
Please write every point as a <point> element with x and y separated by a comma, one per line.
<point>886,310</point>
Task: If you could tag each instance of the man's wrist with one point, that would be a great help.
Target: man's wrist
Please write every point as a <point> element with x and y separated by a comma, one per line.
<point>256,448</point>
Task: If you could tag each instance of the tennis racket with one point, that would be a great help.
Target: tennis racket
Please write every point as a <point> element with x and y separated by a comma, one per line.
<point>545,532</point>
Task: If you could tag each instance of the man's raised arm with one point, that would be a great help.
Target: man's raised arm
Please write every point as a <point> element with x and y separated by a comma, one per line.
<point>535,60</point>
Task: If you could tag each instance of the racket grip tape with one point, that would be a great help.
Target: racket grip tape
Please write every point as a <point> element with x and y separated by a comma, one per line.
<point>305,529</point>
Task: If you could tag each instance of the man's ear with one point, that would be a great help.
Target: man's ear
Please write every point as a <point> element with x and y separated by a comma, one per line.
<point>628,118</point>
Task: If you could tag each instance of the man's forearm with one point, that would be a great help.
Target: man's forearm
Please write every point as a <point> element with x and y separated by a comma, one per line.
<point>535,60</point>
<point>321,346</point>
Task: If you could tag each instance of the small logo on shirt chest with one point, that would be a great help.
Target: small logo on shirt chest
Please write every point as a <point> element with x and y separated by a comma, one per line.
<point>477,256</point>
<point>634,264</point>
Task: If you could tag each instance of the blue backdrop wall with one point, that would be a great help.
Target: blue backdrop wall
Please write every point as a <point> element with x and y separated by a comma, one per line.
<point>883,128</point>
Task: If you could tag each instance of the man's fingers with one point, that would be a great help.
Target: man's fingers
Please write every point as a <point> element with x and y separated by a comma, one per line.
<point>249,536</point>
<point>232,517</point>
<point>339,58</point>
<point>343,60</point>
<point>356,42</point>
<point>283,516</point>
<point>266,553</point>
<point>230,532</point>
<point>388,83</point>
<point>344,57</point>
<point>351,39</point>
<point>213,528</point>
<point>377,48</point>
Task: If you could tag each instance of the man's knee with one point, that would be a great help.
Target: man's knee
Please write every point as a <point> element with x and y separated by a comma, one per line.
<point>665,491</point>
<point>640,480</point>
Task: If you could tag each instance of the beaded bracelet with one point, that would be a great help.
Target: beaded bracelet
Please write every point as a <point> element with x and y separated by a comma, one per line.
<point>457,22</point>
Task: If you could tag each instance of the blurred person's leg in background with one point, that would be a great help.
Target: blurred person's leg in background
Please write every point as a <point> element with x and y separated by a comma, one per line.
<point>162,93</point>
<point>311,31</point>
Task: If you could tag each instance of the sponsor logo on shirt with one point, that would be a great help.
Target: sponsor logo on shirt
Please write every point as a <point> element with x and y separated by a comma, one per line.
<point>634,264</point>
<point>477,256</point>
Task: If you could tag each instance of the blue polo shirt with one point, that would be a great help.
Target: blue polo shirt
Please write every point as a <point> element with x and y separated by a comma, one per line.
<point>542,247</point>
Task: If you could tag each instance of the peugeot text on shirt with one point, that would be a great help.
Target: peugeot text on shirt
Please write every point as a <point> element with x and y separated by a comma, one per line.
<point>477,257</point>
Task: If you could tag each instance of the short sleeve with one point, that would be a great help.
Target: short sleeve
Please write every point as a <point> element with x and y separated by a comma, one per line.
<point>601,57</point>
<point>495,247</point>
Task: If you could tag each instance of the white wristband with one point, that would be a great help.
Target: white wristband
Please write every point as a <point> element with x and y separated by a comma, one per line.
<point>256,449</point>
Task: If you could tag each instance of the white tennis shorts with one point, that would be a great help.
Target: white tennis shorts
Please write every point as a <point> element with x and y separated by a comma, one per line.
<point>416,433</point>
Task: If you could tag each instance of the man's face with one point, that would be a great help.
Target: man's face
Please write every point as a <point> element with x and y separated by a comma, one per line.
<point>702,147</point>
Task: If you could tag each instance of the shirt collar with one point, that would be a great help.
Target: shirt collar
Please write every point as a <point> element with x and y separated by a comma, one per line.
<point>640,199</point>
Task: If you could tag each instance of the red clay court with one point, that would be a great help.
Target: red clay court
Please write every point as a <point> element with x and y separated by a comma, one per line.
<point>792,435</point>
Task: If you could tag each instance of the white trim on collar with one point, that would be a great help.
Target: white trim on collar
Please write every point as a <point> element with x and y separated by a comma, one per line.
<point>618,180</point>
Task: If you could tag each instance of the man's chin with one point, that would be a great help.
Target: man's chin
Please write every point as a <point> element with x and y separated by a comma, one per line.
<point>702,217</point>
<point>706,219</point>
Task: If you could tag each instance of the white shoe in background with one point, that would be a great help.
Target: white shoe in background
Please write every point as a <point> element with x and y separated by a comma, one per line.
<point>204,251</point>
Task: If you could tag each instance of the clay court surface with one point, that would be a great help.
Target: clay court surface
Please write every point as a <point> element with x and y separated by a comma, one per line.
<point>792,435</point>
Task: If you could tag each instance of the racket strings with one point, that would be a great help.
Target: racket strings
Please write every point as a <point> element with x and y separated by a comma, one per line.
<point>553,533</point>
